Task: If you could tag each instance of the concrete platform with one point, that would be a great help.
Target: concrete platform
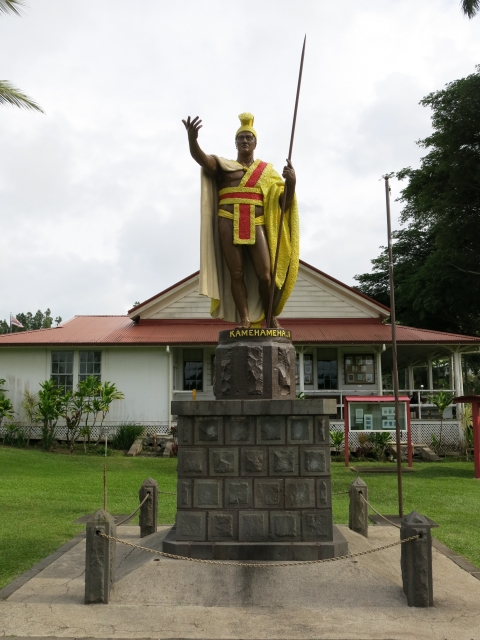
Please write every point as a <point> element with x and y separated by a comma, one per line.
<point>258,551</point>
<point>157,597</point>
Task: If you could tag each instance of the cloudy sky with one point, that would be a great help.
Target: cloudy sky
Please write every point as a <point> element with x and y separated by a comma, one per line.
<point>99,196</point>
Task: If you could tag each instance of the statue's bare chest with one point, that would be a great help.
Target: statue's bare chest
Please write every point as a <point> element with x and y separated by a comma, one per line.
<point>230,179</point>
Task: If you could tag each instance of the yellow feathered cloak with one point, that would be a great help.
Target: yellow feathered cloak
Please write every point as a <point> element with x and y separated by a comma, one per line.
<point>214,274</point>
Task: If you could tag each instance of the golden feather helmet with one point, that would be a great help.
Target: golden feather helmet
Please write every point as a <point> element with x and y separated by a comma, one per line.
<point>246,120</point>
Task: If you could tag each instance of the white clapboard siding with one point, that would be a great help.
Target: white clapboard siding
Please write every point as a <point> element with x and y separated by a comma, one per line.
<point>308,300</point>
<point>193,305</point>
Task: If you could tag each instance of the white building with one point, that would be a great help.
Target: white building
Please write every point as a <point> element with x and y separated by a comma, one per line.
<point>165,347</point>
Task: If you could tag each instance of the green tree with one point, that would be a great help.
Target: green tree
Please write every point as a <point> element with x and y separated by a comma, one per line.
<point>436,253</point>
<point>8,93</point>
<point>49,407</point>
<point>470,7</point>
<point>30,321</point>
<point>6,406</point>
<point>442,401</point>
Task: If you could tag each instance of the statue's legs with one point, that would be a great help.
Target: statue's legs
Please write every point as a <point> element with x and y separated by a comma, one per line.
<point>260,256</point>
<point>233,254</point>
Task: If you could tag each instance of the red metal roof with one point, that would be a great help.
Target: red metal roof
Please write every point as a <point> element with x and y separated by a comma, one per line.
<point>121,330</point>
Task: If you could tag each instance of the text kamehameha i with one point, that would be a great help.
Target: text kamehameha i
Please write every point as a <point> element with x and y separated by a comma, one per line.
<point>260,333</point>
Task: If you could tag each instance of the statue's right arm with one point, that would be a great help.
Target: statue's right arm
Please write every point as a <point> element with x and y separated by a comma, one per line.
<point>208,163</point>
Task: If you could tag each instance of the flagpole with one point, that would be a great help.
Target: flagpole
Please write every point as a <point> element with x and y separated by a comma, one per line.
<point>394,349</point>
<point>10,322</point>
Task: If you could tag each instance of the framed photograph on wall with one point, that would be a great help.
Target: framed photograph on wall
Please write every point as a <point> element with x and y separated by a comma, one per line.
<point>359,369</point>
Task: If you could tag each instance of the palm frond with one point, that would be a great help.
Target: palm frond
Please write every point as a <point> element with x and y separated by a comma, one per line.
<point>470,7</point>
<point>11,6</point>
<point>11,95</point>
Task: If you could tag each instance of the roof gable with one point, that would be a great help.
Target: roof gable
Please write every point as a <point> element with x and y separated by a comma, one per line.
<point>315,295</point>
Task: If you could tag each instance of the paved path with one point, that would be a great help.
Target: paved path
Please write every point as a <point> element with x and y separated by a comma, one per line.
<point>357,599</point>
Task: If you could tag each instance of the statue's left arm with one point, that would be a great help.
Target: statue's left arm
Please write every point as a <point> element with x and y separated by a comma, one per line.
<point>290,182</point>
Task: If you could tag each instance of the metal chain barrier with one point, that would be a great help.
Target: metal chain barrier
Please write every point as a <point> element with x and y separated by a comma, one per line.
<point>134,512</point>
<point>260,564</point>
<point>168,493</point>
<point>378,513</point>
<point>340,493</point>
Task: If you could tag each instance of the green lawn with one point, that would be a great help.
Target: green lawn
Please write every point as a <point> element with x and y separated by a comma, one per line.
<point>41,494</point>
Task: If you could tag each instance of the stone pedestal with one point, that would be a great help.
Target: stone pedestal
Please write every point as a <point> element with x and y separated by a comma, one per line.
<point>255,364</point>
<point>254,481</point>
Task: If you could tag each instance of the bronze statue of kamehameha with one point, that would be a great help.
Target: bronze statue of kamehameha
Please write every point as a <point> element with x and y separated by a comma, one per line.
<point>240,224</point>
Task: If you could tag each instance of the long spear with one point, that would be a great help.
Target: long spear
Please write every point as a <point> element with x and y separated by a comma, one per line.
<point>282,215</point>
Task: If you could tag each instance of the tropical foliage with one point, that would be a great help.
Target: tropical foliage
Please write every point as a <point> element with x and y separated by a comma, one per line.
<point>30,321</point>
<point>435,254</point>
<point>79,409</point>
<point>442,401</point>
<point>8,93</point>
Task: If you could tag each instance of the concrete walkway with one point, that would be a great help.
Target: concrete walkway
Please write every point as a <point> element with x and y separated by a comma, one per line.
<point>161,598</point>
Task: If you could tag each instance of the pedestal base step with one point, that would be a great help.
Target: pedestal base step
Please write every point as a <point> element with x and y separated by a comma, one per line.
<point>259,551</point>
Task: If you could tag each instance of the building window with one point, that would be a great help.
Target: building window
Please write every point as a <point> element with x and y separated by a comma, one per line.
<point>62,369</point>
<point>327,374</point>
<point>193,369</point>
<point>360,369</point>
<point>90,365</point>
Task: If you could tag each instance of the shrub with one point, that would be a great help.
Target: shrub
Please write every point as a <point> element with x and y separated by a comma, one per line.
<point>14,435</point>
<point>126,435</point>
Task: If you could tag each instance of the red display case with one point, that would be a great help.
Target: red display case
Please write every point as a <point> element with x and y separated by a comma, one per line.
<point>376,414</point>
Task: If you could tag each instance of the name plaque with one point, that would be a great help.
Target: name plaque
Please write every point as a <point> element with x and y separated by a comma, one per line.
<point>233,335</point>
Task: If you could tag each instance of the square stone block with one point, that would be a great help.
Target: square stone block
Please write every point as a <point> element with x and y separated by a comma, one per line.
<point>317,525</point>
<point>207,494</point>
<point>223,462</point>
<point>322,430</point>
<point>239,493</point>
<point>283,461</point>
<point>185,430</point>
<point>299,493</point>
<point>300,430</point>
<point>253,526</point>
<point>192,461</point>
<point>324,495</point>
<point>268,494</point>
<point>254,461</point>
<point>314,461</point>
<point>285,525</point>
<point>271,430</point>
<point>184,494</point>
<point>239,430</point>
<point>222,526</point>
<point>208,430</point>
<point>192,525</point>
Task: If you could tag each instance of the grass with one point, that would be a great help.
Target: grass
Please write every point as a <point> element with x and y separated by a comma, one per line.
<point>444,491</point>
<point>41,494</point>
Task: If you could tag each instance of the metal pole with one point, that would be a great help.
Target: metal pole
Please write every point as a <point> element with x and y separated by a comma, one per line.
<point>104,487</point>
<point>394,351</point>
<point>284,199</point>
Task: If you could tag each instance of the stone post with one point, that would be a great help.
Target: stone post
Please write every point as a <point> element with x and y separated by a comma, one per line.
<point>149,511</point>
<point>99,558</point>
<point>416,560</point>
<point>358,510</point>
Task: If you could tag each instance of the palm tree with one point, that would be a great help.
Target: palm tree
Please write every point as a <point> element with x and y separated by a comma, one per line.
<point>8,93</point>
<point>470,7</point>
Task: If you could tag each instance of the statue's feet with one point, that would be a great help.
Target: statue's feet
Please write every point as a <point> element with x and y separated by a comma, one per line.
<point>275,323</point>
<point>245,324</point>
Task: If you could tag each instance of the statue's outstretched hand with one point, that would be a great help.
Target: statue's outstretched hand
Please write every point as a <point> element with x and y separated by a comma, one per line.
<point>192,127</point>
<point>289,174</point>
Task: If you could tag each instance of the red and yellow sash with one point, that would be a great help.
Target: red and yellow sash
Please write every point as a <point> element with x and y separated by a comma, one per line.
<point>244,198</point>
